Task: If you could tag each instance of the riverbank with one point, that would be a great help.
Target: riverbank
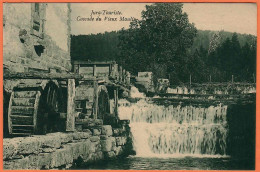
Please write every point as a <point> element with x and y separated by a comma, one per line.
<point>64,150</point>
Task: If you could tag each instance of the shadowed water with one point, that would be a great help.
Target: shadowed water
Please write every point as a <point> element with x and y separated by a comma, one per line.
<point>185,163</point>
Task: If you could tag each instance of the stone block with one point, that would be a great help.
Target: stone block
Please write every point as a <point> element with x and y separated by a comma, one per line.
<point>93,157</point>
<point>118,150</point>
<point>104,137</point>
<point>98,156</point>
<point>110,154</point>
<point>89,123</point>
<point>108,144</point>
<point>107,130</point>
<point>76,149</point>
<point>48,150</point>
<point>80,148</point>
<point>86,135</point>
<point>93,147</point>
<point>120,141</point>
<point>78,127</point>
<point>49,141</point>
<point>18,157</point>
<point>98,121</point>
<point>118,131</point>
<point>28,145</point>
<point>44,160</point>
<point>8,149</point>
<point>81,135</point>
<point>62,157</point>
<point>87,131</point>
<point>124,122</point>
<point>65,137</point>
<point>94,138</point>
<point>86,149</point>
<point>33,162</point>
<point>29,162</point>
<point>98,147</point>
<point>96,132</point>
<point>17,164</point>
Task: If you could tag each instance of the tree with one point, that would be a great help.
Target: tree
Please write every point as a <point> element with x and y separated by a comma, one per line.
<point>161,37</point>
<point>229,58</point>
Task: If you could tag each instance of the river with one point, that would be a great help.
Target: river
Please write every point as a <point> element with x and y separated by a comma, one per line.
<point>187,136</point>
<point>183,163</point>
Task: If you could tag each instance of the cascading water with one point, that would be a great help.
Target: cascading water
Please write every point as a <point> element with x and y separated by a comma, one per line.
<point>176,130</point>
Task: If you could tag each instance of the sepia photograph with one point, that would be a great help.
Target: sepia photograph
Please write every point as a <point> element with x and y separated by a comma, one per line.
<point>129,86</point>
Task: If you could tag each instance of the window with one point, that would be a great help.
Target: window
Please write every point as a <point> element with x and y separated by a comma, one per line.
<point>38,19</point>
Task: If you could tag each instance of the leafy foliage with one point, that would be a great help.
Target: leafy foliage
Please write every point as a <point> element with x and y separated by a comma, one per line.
<point>159,41</point>
<point>164,42</point>
<point>232,59</point>
<point>100,47</point>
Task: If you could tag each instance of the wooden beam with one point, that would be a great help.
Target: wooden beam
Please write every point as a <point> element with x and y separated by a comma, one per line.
<point>95,110</point>
<point>92,63</point>
<point>70,122</point>
<point>39,75</point>
<point>95,70</point>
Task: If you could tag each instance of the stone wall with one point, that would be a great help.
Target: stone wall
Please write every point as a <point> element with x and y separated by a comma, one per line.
<point>63,150</point>
<point>25,52</point>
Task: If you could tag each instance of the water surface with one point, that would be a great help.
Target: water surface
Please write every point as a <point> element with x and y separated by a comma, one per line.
<point>184,163</point>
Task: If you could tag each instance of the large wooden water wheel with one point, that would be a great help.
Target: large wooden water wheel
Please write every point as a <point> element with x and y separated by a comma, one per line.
<point>6,98</point>
<point>33,109</point>
<point>49,109</point>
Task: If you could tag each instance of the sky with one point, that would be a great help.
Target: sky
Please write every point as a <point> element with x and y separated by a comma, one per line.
<point>232,17</point>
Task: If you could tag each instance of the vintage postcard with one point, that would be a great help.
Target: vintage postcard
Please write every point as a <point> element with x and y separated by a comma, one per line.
<point>129,86</point>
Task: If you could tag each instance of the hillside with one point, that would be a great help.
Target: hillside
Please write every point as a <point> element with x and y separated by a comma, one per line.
<point>204,37</point>
<point>104,47</point>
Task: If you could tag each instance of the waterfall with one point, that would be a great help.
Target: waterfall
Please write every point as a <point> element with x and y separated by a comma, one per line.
<point>176,130</point>
<point>134,93</point>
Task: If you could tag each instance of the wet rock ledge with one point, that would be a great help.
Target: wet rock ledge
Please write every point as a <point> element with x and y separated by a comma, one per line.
<point>63,150</point>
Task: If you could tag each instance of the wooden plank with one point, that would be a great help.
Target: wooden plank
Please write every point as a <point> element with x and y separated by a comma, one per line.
<point>28,84</point>
<point>22,110</point>
<point>22,134</point>
<point>95,109</point>
<point>22,125</point>
<point>94,70</point>
<point>120,74</point>
<point>36,106</point>
<point>23,102</point>
<point>22,130</point>
<point>84,92</point>
<point>24,120</point>
<point>24,94</point>
<point>39,75</point>
<point>10,113</point>
<point>116,102</point>
<point>70,122</point>
<point>75,62</point>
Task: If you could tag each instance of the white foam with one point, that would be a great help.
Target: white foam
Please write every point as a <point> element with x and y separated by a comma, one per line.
<point>134,93</point>
<point>176,131</point>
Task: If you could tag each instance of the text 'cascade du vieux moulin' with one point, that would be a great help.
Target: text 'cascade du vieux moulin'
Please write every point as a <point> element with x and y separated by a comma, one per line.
<point>108,16</point>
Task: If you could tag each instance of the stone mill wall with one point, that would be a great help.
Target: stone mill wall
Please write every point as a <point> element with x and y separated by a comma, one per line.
<point>36,37</point>
<point>63,150</point>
